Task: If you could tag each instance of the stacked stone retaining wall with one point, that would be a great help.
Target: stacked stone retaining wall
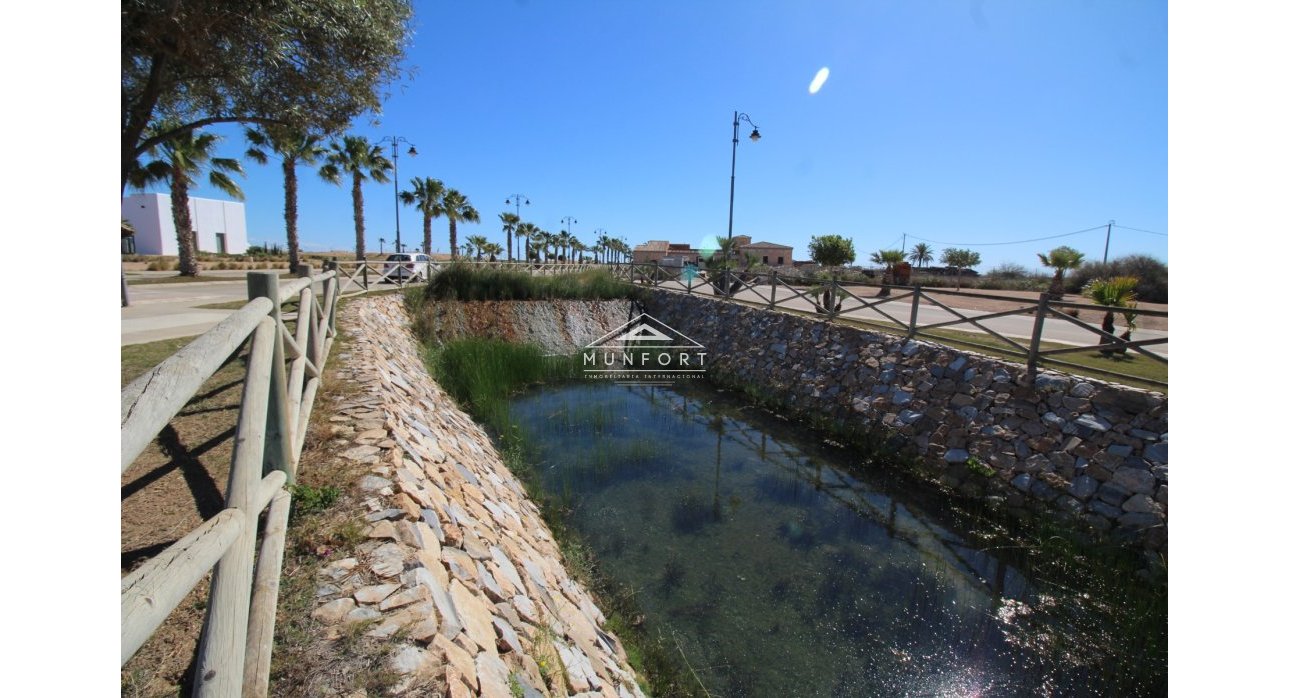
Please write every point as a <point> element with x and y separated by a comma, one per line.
<point>459,567</point>
<point>1080,448</point>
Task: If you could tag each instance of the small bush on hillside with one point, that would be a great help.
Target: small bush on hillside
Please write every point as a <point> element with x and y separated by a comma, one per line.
<point>1152,275</point>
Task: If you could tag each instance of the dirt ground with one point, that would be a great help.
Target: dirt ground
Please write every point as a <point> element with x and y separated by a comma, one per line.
<point>175,485</point>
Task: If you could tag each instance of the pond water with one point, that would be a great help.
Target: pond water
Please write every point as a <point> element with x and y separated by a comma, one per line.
<point>782,566</point>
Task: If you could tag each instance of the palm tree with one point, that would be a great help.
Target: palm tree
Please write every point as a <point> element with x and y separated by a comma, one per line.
<point>1059,260</point>
<point>427,194</point>
<point>456,207</point>
<point>541,242</point>
<point>180,160</point>
<point>526,231</point>
<point>562,245</point>
<point>921,254</point>
<point>890,258</point>
<point>509,223</point>
<point>1117,292</point>
<point>294,147</point>
<point>355,156</point>
<point>578,248</point>
<point>492,249</point>
<point>477,243</point>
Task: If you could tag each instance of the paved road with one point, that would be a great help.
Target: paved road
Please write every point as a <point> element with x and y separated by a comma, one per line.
<point>1020,327</point>
<point>167,311</point>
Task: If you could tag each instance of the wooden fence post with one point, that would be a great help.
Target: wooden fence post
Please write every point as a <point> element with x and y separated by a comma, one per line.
<point>1032,359</point>
<point>221,655</point>
<point>774,284</point>
<point>913,311</point>
<point>278,433</point>
<point>654,272</point>
<point>835,299</point>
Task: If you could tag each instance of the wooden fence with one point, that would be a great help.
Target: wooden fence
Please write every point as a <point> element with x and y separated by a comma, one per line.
<point>899,310</point>
<point>283,375</point>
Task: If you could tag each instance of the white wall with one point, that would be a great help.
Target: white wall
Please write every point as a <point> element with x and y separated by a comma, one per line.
<point>154,226</point>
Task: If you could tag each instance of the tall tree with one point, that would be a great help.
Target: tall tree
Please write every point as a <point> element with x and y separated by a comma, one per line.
<point>1059,259</point>
<point>427,194</point>
<point>456,207</point>
<point>921,254</point>
<point>304,63</point>
<point>355,156</point>
<point>509,222</point>
<point>294,147</point>
<point>180,161</point>
<point>1116,292</point>
<point>526,230</point>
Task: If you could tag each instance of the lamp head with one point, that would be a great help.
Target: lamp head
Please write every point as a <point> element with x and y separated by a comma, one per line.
<point>412,150</point>
<point>754,136</point>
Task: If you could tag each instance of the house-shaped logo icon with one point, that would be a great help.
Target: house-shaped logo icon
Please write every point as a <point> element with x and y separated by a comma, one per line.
<point>644,330</point>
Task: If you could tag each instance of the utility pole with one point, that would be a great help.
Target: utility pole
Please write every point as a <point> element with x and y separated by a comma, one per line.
<point>1107,249</point>
<point>902,243</point>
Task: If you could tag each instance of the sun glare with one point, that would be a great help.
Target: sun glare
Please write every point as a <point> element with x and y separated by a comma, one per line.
<point>818,82</point>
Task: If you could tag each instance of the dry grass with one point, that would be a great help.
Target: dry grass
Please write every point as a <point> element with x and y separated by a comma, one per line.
<point>175,485</point>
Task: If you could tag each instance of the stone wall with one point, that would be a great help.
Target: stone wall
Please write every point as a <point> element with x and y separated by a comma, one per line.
<point>1076,447</point>
<point>558,326</point>
<point>459,567</point>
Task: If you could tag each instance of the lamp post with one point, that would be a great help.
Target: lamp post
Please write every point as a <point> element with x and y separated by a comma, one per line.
<point>569,221</point>
<point>517,198</point>
<point>394,142</point>
<point>754,137</point>
<point>599,232</point>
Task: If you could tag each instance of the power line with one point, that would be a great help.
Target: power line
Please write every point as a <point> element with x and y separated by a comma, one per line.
<point>1013,242</point>
<point>1140,230</point>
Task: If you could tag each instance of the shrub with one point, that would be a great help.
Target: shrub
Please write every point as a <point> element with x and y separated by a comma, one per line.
<point>467,282</point>
<point>1152,275</point>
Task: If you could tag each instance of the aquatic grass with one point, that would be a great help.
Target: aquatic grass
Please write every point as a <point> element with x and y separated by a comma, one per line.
<point>464,282</point>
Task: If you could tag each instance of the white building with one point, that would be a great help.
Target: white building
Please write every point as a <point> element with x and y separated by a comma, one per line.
<point>220,225</point>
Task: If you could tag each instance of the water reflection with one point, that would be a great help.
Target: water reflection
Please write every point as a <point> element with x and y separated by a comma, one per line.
<point>779,572</point>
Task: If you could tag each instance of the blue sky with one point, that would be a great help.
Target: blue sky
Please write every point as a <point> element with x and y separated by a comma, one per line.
<point>951,122</point>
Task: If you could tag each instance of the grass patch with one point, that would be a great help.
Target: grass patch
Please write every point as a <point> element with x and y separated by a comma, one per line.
<point>471,283</point>
<point>132,280</point>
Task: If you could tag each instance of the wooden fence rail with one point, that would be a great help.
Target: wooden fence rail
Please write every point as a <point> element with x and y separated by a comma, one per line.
<point>832,299</point>
<point>283,374</point>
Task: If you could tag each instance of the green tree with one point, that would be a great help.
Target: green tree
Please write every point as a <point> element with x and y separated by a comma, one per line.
<point>960,260</point>
<point>1116,292</point>
<point>889,259</point>
<point>310,64</point>
<point>921,254</point>
<point>1060,259</point>
<point>562,245</point>
<point>294,147</point>
<point>180,161</point>
<point>456,207</point>
<point>477,243</point>
<point>832,251</point>
<point>358,158</point>
<point>427,194</point>
<point>509,222</point>
<point>492,249</point>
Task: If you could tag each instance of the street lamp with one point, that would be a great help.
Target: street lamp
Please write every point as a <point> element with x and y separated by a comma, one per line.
<point>518,198</point>
<point>569,221</point>
<point>599,233</point>
<point>754,137</point>
<point>394,142</point>
<point>382,245</point>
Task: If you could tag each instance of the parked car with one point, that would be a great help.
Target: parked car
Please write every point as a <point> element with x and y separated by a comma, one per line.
<point>407,266</point>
